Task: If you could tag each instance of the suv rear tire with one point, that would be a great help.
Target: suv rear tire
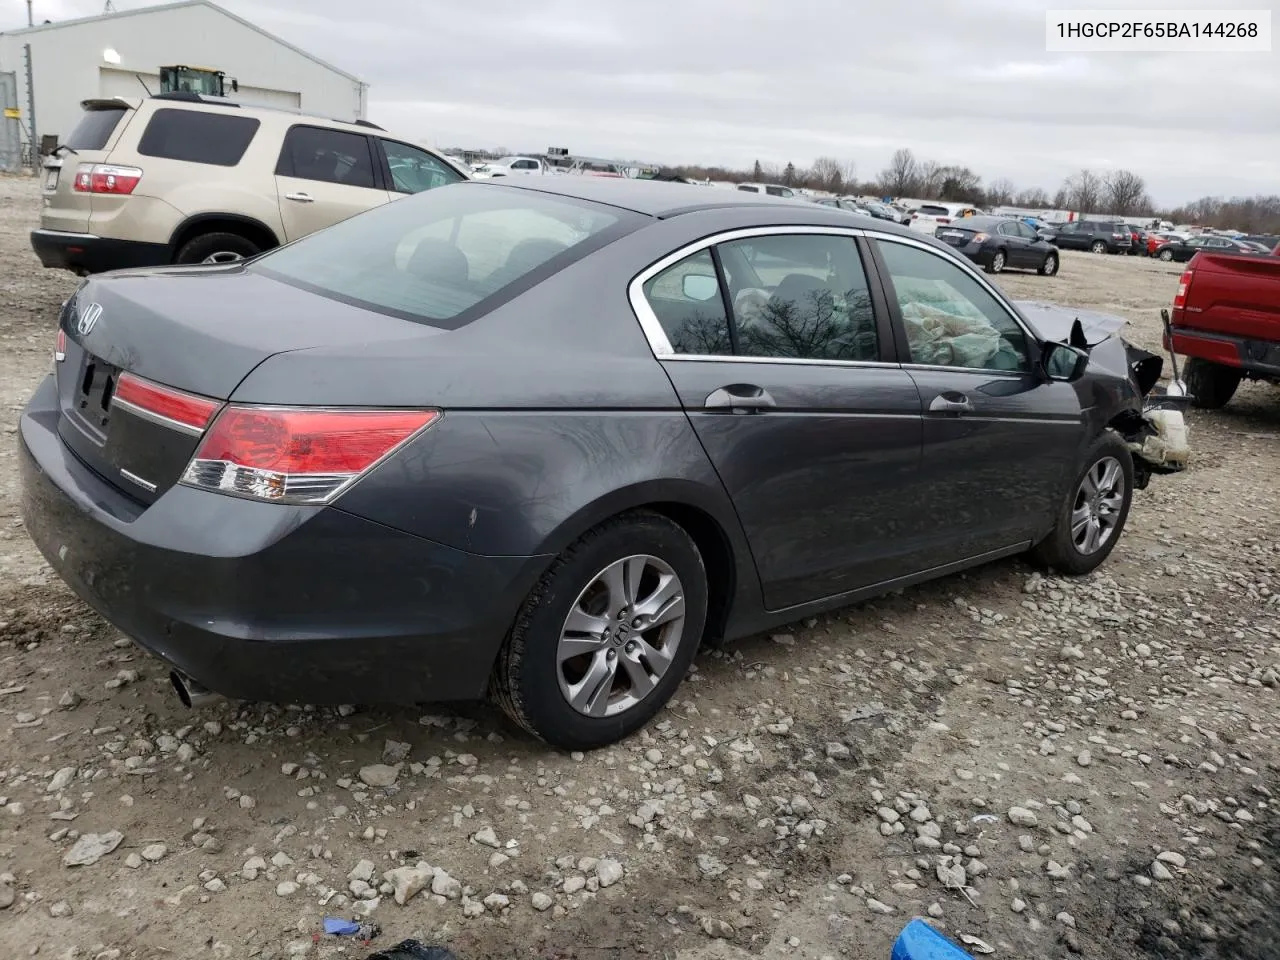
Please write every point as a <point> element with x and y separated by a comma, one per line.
<point>1211,385</point>
<point>1098,246</point>
<point>217,247</point>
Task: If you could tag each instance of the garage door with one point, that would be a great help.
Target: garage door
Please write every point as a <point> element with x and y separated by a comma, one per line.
<point>124,83</point>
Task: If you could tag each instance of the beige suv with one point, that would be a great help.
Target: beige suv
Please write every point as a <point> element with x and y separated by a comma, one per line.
<point>180,178</point>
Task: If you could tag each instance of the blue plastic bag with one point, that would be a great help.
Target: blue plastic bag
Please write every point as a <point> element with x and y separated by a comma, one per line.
<point>919,941</point>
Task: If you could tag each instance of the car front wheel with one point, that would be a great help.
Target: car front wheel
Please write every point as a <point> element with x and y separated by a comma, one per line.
<point>606,636</point>
<point>1165,255</point>
<point>1092,516</point>
<point>1050,265</point>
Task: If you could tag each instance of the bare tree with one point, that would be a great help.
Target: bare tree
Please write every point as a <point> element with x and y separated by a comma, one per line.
<point>1033,197</point>
<point>931,174</point>
<point>901,176</point>
<point>959,183</point>
<point>849,174</point>
<point>1083,191</point>
<point>1000,192</point>
<point>825,170</point>
<point>1126,193</point>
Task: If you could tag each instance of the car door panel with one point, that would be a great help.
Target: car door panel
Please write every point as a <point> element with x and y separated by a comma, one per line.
<point>819,478</point>
<point>323,177</point>
<point>998,438</point>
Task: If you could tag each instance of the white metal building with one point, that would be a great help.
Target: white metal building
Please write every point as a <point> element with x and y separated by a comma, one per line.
<point>117,54</point>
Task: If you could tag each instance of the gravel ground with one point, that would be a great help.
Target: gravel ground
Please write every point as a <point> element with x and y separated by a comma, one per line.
<point>1046,767</point>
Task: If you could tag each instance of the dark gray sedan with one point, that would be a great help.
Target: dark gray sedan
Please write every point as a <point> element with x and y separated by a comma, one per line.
<point>1000,243</point>
<point>542,440</point>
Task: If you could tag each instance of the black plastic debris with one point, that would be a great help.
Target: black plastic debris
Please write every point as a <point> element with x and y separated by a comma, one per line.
<point>412,950</point>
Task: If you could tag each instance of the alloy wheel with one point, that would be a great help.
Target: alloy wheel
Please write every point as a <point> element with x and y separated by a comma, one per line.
<point>620,636</point>
<point>222,256</point>
<point>1050,265</point>
<point>997,262</point>
<point>1098,505</point>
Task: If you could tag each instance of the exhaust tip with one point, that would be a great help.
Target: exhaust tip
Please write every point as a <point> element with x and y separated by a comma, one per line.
<point>189,692</point>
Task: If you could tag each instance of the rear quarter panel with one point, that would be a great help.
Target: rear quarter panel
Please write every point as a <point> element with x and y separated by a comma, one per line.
<point>1235,295</point>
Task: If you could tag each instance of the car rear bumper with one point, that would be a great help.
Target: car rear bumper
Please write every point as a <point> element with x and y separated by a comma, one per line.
<point>1259,357</point>
<point>88,253</point>
<point>266,602</point>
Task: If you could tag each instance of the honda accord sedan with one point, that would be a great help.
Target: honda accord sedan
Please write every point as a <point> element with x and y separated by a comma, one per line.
<point>539,441</point>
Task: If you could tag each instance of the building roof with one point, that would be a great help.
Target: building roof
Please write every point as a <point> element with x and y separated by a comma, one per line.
<point>139,11</point>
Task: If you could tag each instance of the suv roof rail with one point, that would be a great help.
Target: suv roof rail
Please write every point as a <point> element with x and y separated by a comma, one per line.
<point>366,123</point>
<point>190,96</point>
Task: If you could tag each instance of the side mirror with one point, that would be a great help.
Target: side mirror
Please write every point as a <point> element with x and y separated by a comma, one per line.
<point>700,286</point>
<point>1064,362</point>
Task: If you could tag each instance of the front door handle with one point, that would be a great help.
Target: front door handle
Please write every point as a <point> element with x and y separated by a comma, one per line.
<point>950,402</point>
<point>300,197</point>
<point>739,398</point>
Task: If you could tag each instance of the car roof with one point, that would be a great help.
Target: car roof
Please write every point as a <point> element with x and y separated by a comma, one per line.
<point>662,199</point>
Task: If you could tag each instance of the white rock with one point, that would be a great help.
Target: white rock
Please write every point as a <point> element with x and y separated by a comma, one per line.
<point>1172,857</point>
<point>953,877</point>
<point>875,906</point>
<point>487,837</point>
<point>609,872</point>
<point>408,882</point>
<point>573,884</point>
<point>541,901</point>
<point>154,852</point>
<point>92,847</point>
<point>1160,871</point>
<point>445,886</point>
<point>61,780</point>
<point>379,774</point>
<point>710,866</point>
<point>286,888</point>
<point>497,902</point>
<point>1022,817</point>
<point>362,871</point>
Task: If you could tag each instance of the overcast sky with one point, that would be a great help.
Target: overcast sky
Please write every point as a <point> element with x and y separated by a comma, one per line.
<point>716,82</point>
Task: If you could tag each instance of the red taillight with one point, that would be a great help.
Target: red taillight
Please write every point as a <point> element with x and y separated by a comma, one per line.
<point>1184,285</point>
<point>164,405</point>
<point>106,178</point>
<point>944,220</point>
<point>60,346</point>
<point>297,456</point>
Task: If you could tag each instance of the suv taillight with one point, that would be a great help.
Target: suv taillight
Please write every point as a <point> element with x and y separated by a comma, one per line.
<point>292,455</point>
<point>943,220</point>
<point>106,178</point>
<point>60,346</point>
<point>1184,286</point>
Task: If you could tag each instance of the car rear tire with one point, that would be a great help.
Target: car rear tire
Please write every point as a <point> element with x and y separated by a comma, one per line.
<point>1098,246</point>
<point>1092,516</point>
<point>1049,267</point>
<point>1165,255</point>
<point>217,248</point>
<point>1211,385</point>
<point>998,260</point>
<point>604,639</point>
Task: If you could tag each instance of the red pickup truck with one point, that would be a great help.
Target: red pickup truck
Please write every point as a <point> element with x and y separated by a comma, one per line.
<point>1226,319</point>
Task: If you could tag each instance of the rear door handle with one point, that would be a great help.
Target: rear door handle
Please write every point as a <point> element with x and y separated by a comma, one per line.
<point>739,398</point>
<point>300,197</point>
<point>950,402</point>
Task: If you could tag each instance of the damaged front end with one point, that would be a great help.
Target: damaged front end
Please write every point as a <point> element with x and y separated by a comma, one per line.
<point>1150,418</point>
<point>1157,434</point>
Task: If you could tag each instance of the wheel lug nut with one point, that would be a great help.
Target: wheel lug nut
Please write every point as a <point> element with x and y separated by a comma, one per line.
<point>637,622</point>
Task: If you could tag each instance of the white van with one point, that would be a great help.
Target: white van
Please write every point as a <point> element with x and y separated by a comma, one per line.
<point>772,189</point>
<point>929,216</point>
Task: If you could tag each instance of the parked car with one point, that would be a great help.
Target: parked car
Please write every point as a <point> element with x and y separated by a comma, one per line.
<point>841,203</point>
<point>999,242</point>
<point>181,178</point>
<point>1181,251</point>
<point>1096,236</point>
<point>1155,240</point>
<point>771,189</point>
<point>1268,241</point>
<point>1224,320</point>
<point>881,211</point>
<point>512,167</point>
<point>543,439</point>
<point>929,216</point>
<point>1138,238</point>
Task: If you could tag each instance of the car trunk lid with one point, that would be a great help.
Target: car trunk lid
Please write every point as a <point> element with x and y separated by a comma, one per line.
<point>194,332</point>
<point>956,236</point>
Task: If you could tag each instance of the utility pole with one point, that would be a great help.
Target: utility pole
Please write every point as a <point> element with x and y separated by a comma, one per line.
<point>30,19</point>
<point>31,112</point>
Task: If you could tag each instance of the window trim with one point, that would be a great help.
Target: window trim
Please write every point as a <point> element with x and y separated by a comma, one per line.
<point>887,311</point>
<point>900,330</point>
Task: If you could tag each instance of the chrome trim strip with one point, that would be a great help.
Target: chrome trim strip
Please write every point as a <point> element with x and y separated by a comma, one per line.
<point>72,235</point>
<point>653,331</point>
<point>162,420</point>
<point>736,358</point>
<point>146,485</point>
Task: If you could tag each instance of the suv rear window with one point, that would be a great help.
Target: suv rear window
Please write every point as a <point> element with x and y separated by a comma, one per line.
<point>219,139</point>
<point>932,211</point>
<point>445,256</point>
<point>95,128</point>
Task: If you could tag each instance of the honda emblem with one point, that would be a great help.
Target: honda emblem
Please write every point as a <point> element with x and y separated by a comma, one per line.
<point>88,319</point>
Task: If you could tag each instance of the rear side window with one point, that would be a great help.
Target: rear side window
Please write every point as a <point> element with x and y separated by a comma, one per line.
<point>686,299</point>
<point>329,156</point>
<point>445,256</point>
<point>95,128</point>
<point>194,136</point>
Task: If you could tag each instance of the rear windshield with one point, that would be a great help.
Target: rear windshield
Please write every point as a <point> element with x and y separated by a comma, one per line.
<point>219,139</point>
<point>95,128</point>
<point>932,211</point>
<point>445,256</point>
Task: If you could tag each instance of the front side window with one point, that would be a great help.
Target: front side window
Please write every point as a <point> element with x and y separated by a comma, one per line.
<point>444,256</point>
<point>414,170</point>
<point>327,156</point>
<point>686,299</point>
<point>950,320</point>
<point>802,296</point>
<point>198,136</point>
